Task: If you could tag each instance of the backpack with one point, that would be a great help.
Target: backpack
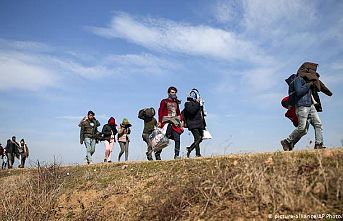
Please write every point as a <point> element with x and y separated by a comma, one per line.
<point>291,90</point>
<point>146,113</point>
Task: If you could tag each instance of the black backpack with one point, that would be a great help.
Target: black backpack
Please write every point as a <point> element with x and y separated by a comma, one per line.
<point>291,90</point>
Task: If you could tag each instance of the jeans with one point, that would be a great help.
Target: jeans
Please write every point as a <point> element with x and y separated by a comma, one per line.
<point>90,147</point>
<point>22,159</point>
<point>304,114</point>
<point>197,134</point>
<point>124,147</point>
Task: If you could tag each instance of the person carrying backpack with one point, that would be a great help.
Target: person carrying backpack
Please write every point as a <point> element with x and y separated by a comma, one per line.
<point>88,134</point>
<point>194,121</point>
<point>303,93</point>
<point>109,132</point>
<point>147,114</point>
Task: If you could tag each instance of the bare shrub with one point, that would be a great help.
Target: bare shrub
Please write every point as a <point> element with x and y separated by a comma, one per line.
<point>32,194</point>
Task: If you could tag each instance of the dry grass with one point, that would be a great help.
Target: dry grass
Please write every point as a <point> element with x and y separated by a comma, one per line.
<point>235,187</point>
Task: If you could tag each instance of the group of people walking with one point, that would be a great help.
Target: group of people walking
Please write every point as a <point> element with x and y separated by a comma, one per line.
<point>169,116</point>
<point>13,150</point>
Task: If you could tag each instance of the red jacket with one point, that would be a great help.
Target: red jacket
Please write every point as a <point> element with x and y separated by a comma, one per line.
<point>163,111</point>
<point>290,114</point>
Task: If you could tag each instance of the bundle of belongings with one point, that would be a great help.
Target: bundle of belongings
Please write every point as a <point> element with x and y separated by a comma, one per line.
<point>158,139</point>
<point>308,71</point>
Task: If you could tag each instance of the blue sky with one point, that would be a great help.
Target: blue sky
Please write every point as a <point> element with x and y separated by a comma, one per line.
<point>59,59</point>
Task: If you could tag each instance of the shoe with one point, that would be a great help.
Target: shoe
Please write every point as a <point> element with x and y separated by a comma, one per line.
<point>149,156</point>
<point>286,145</point>
<point>198,155</point>
<point>157,156</point>
<point>177,158</point>
<point>109,161</point>
<point>319,146</point>
<point>105,160</point>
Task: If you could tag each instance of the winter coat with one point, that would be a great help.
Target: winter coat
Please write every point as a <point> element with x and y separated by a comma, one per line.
<point>163,111</point>
<point>194,116</point>
<point>89,129</point>
<point>302,92</point>
<point>108,131</point>
<point>12,147</point>
<point>123,134</point>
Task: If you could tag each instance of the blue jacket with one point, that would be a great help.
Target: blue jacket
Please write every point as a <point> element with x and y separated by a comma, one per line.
<point>303,92</point>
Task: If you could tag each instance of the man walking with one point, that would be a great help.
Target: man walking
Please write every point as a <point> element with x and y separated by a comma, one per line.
<point>169,112</point>
<point>88,132</point>
<point>305,110</point>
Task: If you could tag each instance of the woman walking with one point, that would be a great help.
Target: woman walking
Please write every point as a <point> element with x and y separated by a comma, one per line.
<point>123,138</point>
<point>109,131</point>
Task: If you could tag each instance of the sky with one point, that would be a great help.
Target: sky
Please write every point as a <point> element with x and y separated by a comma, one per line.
<point>59,59</point>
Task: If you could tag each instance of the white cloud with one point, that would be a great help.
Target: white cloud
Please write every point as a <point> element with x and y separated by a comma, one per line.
<point>29,66</point>
<point>20,72</point>
<point>167,35</point>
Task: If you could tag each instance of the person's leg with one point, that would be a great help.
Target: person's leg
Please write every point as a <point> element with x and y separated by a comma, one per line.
<point>107,150</point>
<point>197,136</point>
<point>198,141</point>
<point>302,114</point>
<point>149,148</point>
<point>295,141</point>
<point>22,160</point>
<point>317,125</point>
<point>88,149</point>
<point>10,159</point>
<point>127,150</point>
<point>111,144</point>
<point>122,148</point>
<point>176,138</point>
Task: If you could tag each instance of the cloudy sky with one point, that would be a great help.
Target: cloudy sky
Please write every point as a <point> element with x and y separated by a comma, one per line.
<point>59,59</point>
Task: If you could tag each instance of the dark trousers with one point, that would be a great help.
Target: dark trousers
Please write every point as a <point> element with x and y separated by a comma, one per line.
<point>149,148</point>
<point>197,135</point>
<point>22,160</point>
<point>171,134</point>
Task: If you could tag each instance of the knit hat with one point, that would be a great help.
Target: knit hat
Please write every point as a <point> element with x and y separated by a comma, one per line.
<point>125,121</point>
<point>112,121</point>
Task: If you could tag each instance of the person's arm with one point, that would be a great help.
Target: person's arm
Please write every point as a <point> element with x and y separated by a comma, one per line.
<point>82,136</point>
<point>160,112</point>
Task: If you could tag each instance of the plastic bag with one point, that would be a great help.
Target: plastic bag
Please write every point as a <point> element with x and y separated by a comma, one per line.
<point>158,140</point>
<point>207,135</point>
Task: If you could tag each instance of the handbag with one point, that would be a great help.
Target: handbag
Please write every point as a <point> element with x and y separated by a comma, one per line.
<point>207,135</point>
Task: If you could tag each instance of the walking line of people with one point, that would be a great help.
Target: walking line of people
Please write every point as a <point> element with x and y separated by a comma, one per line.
<point>13,150</point>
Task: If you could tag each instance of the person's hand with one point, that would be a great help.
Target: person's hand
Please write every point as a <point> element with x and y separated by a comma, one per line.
<point>81,142</point>
<point>159,125</point>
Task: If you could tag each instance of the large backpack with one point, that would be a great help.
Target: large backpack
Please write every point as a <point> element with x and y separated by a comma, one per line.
<point>291,90</point>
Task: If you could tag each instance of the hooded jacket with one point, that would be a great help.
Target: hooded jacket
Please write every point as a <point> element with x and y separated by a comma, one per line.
<point>193,114</point>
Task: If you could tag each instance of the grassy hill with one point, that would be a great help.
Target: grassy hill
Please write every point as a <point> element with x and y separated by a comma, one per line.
<point>233,187</point>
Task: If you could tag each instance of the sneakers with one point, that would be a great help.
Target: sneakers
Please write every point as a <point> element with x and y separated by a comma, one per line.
<point>319,146</point>
<point>149,156</point>
<point>177,157</point>
<point>109,161</point>
<point>105,160</point>
<point>286,145</point>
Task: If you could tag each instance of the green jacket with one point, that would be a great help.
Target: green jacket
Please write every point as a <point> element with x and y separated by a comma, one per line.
<point>88,129</point>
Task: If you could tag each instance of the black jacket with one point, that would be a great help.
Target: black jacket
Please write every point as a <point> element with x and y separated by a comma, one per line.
<point>194,115</point>
<point>107,131</point>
